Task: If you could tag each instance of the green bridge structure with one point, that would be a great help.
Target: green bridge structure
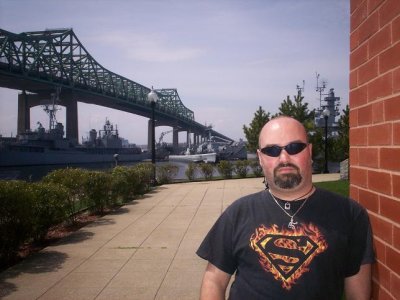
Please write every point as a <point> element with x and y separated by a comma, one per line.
<point>40,63</point>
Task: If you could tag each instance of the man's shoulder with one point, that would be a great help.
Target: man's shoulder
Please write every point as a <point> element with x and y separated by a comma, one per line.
<point>338,200</point>
<point>250,200</point>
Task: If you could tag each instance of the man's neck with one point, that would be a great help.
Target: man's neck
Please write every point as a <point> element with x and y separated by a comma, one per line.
<point>293,194</point>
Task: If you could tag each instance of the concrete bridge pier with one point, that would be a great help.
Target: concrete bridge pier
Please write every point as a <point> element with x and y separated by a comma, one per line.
<point>26,101</point>
<point>175,138</point>
<point>24,118</point>
<point>71,107</point>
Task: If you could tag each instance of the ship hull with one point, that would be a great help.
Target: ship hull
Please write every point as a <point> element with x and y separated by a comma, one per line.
<point>20,158</point>
<point>204,157</point>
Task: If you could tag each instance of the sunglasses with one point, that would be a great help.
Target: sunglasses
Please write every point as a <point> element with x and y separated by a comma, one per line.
<point>291,149</point>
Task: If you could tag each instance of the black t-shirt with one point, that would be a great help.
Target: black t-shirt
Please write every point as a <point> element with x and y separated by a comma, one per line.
<point>330,241</point>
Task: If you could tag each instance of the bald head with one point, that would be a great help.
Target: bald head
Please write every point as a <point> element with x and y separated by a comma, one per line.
<point>288,171</point>
<point>279,128</point>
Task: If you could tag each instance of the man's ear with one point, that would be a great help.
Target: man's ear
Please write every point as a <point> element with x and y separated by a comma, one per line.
<point>310,149</point>
<point>259,156</point>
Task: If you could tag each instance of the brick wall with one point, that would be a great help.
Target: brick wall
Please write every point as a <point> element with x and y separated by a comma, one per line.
<point>375,131</point>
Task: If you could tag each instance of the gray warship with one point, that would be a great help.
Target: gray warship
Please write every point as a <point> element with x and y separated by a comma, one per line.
<point>49,147</point>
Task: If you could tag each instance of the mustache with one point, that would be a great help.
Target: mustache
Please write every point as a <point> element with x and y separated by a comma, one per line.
<point>286,165</point>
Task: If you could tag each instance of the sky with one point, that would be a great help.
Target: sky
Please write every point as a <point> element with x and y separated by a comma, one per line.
<point>226,58</point>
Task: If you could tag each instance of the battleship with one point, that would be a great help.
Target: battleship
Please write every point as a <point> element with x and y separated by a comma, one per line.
<point>49,147</point>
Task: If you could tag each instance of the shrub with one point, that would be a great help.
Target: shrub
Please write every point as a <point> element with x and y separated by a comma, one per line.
<point>49,207</point>
<point>241,168</point>
<point>207,170</point>
<point>256,168</point>
<point>72,179</point>
<point>166,173</point>
<point>190,172</point>
<point>144,176</point>
<point>123,184</point>
<point>15,218</point>
<point>225,168</point>
<point>97,191</point>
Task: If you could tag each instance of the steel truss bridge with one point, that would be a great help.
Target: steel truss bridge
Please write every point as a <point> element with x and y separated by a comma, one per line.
<point>38,63</point>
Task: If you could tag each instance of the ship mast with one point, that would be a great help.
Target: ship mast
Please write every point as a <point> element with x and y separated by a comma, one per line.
<point>51,108</point>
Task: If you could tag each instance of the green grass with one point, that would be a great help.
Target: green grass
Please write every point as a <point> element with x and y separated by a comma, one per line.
<point>340,186</point>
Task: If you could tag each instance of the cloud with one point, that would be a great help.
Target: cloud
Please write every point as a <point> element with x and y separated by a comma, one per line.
<point>149,47</point>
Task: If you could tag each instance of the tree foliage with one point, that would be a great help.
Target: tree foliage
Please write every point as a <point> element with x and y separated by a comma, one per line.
<point>298,110</point>
<point>341,145</point>
<point>252,132</point>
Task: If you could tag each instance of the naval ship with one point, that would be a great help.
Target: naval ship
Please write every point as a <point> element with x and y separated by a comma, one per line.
<point>49,147</point>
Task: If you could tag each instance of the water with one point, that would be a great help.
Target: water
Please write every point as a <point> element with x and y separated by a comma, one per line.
<point>35,173</point>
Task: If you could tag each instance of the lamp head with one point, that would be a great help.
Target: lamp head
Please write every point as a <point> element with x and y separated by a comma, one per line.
<point>152,97</point>
<point>326,112</point>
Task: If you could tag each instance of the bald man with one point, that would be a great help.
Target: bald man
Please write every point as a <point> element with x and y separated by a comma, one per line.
<point>292,240</point>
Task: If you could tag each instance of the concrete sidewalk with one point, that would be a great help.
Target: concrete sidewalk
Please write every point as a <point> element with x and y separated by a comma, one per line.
<point>145,250</point>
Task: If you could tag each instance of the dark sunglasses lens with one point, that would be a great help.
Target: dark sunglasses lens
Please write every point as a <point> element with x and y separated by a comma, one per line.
<point>273,151</point>
<point>294,148</point>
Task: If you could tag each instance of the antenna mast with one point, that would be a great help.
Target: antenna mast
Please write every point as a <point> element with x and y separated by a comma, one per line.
<point>320,89</point>
<point>52,108</point>
<point>300,90</point>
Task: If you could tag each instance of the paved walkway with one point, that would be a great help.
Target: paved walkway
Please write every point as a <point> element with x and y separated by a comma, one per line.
<point>145,250</point>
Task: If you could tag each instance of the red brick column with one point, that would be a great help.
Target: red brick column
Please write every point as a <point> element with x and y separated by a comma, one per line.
<point>375,131</point>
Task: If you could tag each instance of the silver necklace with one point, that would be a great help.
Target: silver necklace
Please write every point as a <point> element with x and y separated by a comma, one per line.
<point>291,223</point>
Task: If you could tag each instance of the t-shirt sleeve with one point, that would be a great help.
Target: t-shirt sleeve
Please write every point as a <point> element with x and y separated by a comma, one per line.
<point>360,243</point>
<point>217,245</point>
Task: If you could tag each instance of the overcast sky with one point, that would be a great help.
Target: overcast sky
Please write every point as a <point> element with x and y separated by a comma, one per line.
<point>225,57</point>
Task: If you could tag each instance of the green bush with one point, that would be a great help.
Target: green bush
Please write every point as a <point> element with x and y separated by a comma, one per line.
<point>256,168</point>
<point>97,191</point>
<point>49,207</point>
<point>123,184</point>
<point>225,168</point>
<point>207,170</point>
<point>72,179</point>
<point>166,173</point>
<point>144,177</point>
<point>190,172</point>
<point>241,168</point>
<point>16,218</point>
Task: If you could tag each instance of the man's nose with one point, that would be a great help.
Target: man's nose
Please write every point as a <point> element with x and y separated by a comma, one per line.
<point>284,156</point>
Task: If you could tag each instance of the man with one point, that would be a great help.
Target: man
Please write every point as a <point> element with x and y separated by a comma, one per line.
<point>292,240</point>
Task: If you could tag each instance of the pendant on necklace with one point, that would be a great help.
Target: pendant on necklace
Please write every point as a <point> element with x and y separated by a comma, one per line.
<point>291,224</point>
<point>287,205</point>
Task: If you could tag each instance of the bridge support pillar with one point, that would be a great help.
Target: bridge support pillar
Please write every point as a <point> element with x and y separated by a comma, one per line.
<point>24,120</point>
<point>175,138</point>
<point>188,138</point>
<point>25,102</point>
<point>71,116</point>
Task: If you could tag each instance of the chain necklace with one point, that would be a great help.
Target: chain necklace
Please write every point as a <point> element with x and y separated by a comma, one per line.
<point>291,223</point>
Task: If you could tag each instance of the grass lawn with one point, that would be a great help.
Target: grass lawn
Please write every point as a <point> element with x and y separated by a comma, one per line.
<point>339,186</point>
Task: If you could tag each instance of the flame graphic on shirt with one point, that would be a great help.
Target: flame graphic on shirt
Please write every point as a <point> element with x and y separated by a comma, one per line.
<point>287,253</point>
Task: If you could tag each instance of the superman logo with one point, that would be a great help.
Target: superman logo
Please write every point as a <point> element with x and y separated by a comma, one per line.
<point>286,254</point>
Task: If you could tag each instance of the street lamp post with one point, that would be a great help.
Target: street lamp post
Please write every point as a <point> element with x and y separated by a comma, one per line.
<point>326,114</point>
<point>153,98</point>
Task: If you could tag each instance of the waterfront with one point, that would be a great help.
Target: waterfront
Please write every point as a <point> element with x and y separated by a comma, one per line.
<point>35,173</point>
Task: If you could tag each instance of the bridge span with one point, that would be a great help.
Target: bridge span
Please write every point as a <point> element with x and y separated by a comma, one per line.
<point>40,63</point>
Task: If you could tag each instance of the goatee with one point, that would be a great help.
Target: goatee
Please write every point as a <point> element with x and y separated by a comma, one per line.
<point>289,180</point>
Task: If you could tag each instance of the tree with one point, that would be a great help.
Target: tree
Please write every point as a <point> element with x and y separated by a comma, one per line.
<point>298,110</point>
<point>340,146</point>
<point>252,132</point>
